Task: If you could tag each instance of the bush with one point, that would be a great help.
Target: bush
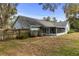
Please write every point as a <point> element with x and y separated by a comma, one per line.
<point>22,35</point>
<point>34,33</point>
<point>71,31</point>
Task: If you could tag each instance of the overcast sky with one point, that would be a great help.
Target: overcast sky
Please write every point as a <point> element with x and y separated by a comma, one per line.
<point>34,10</point>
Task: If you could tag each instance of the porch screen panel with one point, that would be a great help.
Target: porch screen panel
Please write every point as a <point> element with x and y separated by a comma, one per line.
<point>60,30</point>
<point>53,30</point>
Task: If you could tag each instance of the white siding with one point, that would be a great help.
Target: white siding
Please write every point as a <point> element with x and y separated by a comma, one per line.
<point>67,28</point>
<point>34,28</point>
<point>58,34</point>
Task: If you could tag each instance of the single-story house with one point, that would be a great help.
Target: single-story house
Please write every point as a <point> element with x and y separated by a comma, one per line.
<point>41,27</point>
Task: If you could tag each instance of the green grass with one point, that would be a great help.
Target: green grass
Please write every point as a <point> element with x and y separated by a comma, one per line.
<point>66,45</point>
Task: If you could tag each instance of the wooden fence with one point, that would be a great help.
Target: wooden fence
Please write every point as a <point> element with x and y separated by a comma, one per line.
<point>13,34</point>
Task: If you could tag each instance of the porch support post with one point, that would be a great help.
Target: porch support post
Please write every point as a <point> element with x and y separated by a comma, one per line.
<point>56,31</point>
<point>49,30</point>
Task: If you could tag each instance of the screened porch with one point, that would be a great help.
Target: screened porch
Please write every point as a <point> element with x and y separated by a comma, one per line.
<point>52,30</point>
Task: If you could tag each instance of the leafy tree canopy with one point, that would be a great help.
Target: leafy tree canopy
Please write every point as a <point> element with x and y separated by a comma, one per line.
<point>6,11</point>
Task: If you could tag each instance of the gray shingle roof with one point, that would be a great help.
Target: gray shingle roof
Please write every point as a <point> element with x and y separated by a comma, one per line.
<point>61,24</point>
<point>53,24</point>
<point>28,20</point>
<point>31,21</point>
<point>46,23</point>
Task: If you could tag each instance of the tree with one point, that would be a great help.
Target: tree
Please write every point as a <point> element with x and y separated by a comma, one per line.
<point>72,10</point>
<point>47,18</point>
<point>44,18</point>
<point>49,6</point>
<point>69,8</point>
<point>54,19</point>
<point>6,11</point>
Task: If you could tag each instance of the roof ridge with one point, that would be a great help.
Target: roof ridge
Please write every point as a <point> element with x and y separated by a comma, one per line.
<point>28,17</point>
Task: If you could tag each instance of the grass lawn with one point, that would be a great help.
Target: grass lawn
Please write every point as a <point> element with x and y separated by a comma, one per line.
<point>66,45</point>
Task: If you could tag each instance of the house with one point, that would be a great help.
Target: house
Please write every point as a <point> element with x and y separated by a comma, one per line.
<point>41,27</point>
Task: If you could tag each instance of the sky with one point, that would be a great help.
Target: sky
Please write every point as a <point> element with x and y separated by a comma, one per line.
<point>34,10</point>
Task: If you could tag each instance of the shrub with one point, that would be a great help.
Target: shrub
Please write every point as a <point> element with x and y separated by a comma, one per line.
<point>22,35</point>
<point>71,31</point>
<point>34,33</point>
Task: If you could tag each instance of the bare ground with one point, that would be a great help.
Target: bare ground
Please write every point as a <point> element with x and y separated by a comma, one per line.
<point>42,46</point>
